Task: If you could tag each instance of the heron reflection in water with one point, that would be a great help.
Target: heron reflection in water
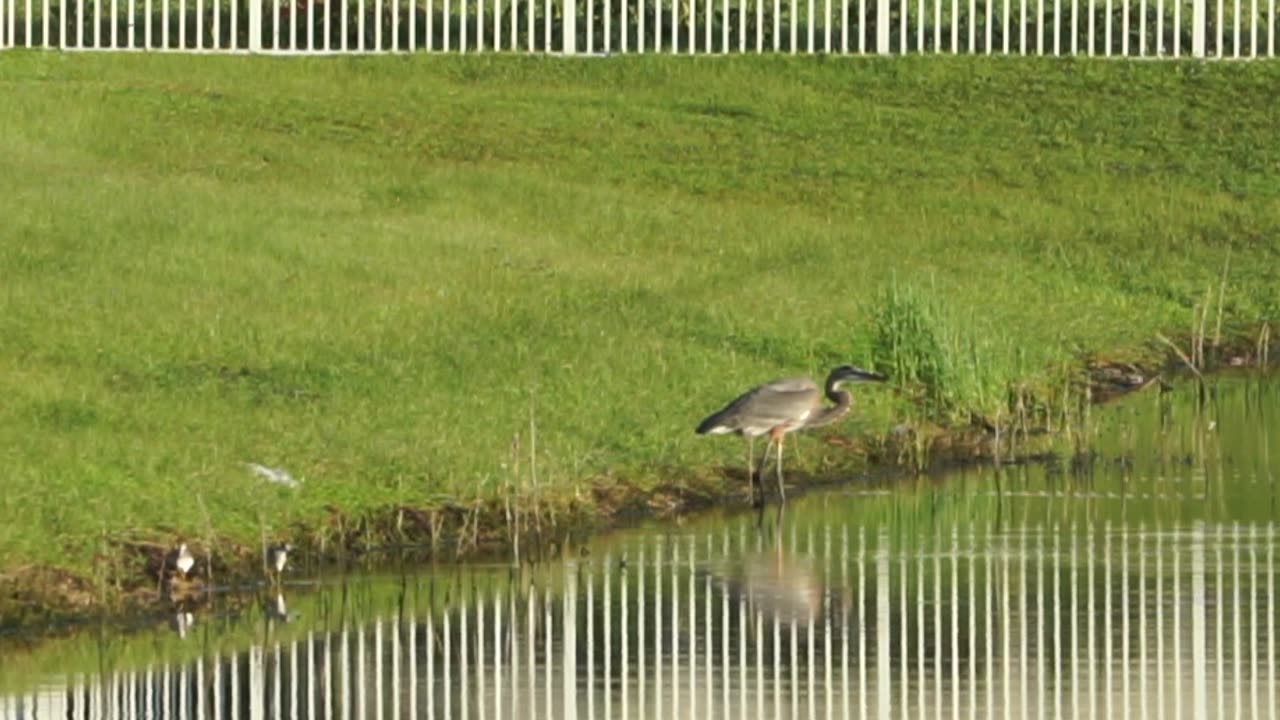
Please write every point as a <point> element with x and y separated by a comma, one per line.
<point>276,609</point>
<point>781,407</point>
<point>778,584</point>
<point>182,621</point>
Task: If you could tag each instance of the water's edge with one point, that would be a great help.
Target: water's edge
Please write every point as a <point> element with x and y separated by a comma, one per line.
<point>131,588</point>
<point>1150,558</point>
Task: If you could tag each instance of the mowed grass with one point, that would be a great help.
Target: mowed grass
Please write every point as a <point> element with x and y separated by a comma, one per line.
<point>377,273</point>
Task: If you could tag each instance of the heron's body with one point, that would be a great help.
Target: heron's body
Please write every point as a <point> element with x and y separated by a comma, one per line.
<point>780,406</point>
<point>184,560</point>
<point>278,557</point>
<point>784,406</point>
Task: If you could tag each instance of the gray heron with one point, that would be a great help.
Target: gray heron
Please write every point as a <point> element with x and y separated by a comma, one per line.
<point>784,406</point>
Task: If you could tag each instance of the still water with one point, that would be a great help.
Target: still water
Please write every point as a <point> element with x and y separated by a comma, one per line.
<point>1135,581</point>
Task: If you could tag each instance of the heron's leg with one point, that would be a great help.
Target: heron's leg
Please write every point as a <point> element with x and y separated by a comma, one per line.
<point>751,470</point>
<point>782,494</point>
<point>764,464</point>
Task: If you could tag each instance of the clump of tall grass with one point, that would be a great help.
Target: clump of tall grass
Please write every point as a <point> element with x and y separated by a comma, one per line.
<point>948,372</point>
<point>905,342</point>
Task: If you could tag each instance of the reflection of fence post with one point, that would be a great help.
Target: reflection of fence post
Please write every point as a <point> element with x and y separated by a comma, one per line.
<point>570,29</point>
<point>884,614</point>
<point>255,25</point>
<point>569,605</point>
<point>882,27</point>
<point>1199,662</point>
<point>1197,28</point>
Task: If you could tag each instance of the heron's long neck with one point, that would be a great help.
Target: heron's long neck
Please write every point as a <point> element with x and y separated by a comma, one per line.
<point>843,403</point>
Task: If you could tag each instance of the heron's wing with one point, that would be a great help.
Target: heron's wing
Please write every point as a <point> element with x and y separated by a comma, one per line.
<point>781,402</point>
<point>774,405</point>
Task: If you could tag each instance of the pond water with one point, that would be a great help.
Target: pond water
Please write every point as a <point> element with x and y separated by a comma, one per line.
<point>1135,581</point>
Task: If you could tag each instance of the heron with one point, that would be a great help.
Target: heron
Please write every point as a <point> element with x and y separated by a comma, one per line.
<point>184,560</point>
<point>784,406</point>
<point>277,557</point>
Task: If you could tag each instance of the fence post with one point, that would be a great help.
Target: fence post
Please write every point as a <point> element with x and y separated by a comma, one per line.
<point>255,25</point>
<point>570,30</point>
<point>882,27</point>
<point>1197,28</point>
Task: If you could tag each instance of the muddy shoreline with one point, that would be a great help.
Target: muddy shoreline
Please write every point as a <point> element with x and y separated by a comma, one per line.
<point>134,579</point>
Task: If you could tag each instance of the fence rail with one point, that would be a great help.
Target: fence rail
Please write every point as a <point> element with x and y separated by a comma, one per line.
<point>1111,28</point>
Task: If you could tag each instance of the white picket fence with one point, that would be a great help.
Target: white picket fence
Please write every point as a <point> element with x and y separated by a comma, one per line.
<point>1109,28</point>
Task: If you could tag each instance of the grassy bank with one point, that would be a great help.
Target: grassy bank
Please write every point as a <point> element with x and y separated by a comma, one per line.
<point>412,281</point>
<point>1136,485</point>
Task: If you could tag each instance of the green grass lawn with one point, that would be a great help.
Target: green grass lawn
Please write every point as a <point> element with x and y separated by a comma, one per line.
<point>377,272</point>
